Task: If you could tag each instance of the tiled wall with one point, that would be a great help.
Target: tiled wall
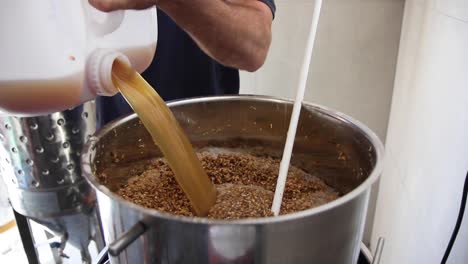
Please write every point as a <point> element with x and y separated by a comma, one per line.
<point>354,59</point>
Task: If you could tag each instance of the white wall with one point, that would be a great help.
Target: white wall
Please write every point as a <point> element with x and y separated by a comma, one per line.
<point>6,213</point>
<point>354,60</point>
<point>427,143</point>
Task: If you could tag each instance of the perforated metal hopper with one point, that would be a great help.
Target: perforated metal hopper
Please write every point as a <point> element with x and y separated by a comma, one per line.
<point>40,163</point>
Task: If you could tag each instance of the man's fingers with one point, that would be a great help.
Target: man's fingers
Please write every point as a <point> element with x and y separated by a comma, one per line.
<point>107,5</point>
<point>112,5</point>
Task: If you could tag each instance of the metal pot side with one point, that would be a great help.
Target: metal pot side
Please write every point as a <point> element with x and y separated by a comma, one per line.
<point>331,145</point>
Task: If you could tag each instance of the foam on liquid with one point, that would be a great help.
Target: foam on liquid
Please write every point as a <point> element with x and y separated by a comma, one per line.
<point>168,135</point>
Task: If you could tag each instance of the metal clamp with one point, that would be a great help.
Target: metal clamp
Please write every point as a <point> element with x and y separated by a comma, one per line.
<point>103,256</point>
<point>378,251</point>
<point>374,259</point>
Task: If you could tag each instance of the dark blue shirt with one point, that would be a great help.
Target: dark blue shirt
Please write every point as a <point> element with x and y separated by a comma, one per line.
<point>180,69</point>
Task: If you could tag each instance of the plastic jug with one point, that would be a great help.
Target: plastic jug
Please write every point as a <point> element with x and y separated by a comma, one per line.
<point>57,54</point>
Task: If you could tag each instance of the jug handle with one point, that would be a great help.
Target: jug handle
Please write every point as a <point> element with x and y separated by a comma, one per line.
<point>127,238</point>
<point>101,23</point>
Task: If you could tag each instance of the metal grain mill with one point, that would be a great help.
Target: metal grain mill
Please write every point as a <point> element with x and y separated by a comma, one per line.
<point>40,164</point>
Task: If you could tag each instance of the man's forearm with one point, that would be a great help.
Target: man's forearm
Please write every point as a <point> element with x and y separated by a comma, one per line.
<point>236,33</point>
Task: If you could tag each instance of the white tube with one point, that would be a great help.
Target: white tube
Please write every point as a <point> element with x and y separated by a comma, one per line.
<point>284,165</point>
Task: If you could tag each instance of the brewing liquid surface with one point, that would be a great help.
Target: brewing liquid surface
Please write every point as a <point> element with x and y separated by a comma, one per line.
<point>167,135</point>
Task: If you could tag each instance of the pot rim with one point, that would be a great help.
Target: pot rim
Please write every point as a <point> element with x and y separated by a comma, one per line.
<point>366,184</point>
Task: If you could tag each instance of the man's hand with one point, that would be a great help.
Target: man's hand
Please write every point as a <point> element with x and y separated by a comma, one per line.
<point>236,33</point>
<point>111,5</point>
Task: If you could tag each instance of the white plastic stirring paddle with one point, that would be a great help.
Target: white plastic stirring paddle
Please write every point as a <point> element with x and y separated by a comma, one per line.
<point>284,165</point>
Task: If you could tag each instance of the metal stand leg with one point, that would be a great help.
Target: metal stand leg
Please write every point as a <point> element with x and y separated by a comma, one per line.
<point>26,238</point>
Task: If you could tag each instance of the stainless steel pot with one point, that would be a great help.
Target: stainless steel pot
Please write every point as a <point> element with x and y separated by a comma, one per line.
<point>340,150</point>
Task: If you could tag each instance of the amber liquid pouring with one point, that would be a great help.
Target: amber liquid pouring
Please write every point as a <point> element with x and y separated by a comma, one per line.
<point>168,135</point>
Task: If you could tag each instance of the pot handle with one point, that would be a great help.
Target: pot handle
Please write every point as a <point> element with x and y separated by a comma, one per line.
<point>121,243</point>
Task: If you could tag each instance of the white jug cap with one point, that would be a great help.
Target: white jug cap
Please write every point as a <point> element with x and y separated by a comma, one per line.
<point>99,71</point>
